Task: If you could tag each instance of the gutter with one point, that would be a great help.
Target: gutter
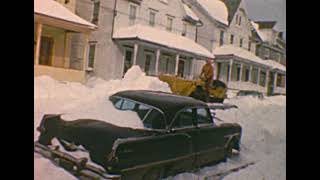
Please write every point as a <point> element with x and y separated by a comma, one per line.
<point>113,18</point>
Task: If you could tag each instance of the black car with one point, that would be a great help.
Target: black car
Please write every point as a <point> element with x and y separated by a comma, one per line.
<point>179,135</point>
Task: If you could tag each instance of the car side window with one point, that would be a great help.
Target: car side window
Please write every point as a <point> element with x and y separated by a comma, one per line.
<point>184,119</point>
<point>128,105</point>
<point>203,117</point>
<point>117,102</point>
<point>154,120</point>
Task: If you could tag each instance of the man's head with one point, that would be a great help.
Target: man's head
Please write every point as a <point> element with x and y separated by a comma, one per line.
<point>209,61</point>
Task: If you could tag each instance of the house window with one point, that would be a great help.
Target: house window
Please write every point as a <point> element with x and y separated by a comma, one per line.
<point>46,50</point>
<point>184,30</point>
<point>249,45</point>
<point>92,51</point>
<point>169,23</point>
<point>152,18</point>
<point>239,20</point>
<point>132,14</point>
<point>241,42</point>
<point>231,39</point>
<point>95,15</point>
<point>181,68</point>
<point>221,38</point>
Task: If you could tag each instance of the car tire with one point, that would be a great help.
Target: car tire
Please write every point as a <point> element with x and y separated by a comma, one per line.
<point>154,174</point>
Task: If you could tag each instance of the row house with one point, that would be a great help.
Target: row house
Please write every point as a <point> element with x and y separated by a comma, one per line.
<point>54,25</point>
<point>157,35</point>
<point>270,42</point>
<point>229,34</point>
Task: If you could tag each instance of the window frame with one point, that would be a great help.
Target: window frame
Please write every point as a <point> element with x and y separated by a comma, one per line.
<point>231,39</point>
<point>91,43</point>
<point>151,11</point>
<point>132,21</point>
<point>169,19</point>
<point>221,38</point>
<point>95,20</point>
<point>241,42</point>
<point>184,29</point>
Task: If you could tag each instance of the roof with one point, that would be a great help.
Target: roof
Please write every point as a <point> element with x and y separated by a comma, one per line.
<point>232,6</point>
<point>162,38</point>
<point>266,24</point>
<point>216,9</point>
<point>166,102</point>
<point>239,52</point>
<point>256,27</point>
<point>53,9</point>
<point>190,13</point>
<point>275,65</point>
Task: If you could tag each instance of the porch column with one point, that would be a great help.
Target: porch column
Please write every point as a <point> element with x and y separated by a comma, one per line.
<point>157,61</point>
<point>66,52</point>
<point>177,64</point>
<point>85,51</point>
<point>258,76</point>
<point>241,69</point>
<point>136,46</point>
<point>230,70</point>
<point>38,43</point>
<point>275,77</point>
<point>192,67</point>
<point>250,73</point>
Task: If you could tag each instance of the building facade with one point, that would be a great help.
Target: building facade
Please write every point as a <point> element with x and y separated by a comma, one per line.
<point>157,35</point>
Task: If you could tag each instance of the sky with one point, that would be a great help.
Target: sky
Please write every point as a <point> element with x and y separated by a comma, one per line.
<point>268,10</point>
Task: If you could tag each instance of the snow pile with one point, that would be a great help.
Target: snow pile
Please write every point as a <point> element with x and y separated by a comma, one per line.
<point>75,100</point>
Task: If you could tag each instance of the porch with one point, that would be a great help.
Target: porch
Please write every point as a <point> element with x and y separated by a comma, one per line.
<point>53,30</point>
<point>159,52</point>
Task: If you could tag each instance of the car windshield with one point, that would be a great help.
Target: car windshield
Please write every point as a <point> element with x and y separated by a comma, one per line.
<point>151,117</point>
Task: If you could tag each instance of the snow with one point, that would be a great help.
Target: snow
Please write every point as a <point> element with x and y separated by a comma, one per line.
<point>261,34</point>
<point>56,10</point>
<point>190,13</point>
<point>263,123</point>
<point>163,38</point>
<point>240,52</point>
<point>216,9</point>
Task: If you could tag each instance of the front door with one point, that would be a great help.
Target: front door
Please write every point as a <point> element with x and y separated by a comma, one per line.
<point>127,60</point>
<point>270,84</point>
<point>46,49</point>
<point>181,68</point>
<point>147,64</point>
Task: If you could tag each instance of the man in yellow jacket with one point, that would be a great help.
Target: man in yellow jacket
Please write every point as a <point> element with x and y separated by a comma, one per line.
<point>207,74</point>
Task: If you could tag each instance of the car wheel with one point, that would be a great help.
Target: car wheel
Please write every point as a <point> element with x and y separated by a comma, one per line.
<point>154,174</point>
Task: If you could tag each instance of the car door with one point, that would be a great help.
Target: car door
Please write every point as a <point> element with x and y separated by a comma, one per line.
<point>184,123</point>
<point>210,139</point>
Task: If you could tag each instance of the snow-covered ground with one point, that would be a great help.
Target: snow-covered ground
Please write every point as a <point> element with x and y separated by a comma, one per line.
<point>263,122</point>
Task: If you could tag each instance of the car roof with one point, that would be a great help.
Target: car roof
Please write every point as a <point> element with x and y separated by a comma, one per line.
<point>168,103</point>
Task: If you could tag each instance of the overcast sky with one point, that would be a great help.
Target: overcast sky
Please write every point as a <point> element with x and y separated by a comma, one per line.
<point>268,10</point>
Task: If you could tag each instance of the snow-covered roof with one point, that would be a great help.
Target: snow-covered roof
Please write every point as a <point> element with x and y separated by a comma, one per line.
<point>240,52</point>
<point>163,38</point>
<point>275,65</point>
<point>190,13</point>
<point>216,9</point>
<point>262,35</point>
<point>56,10</point>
